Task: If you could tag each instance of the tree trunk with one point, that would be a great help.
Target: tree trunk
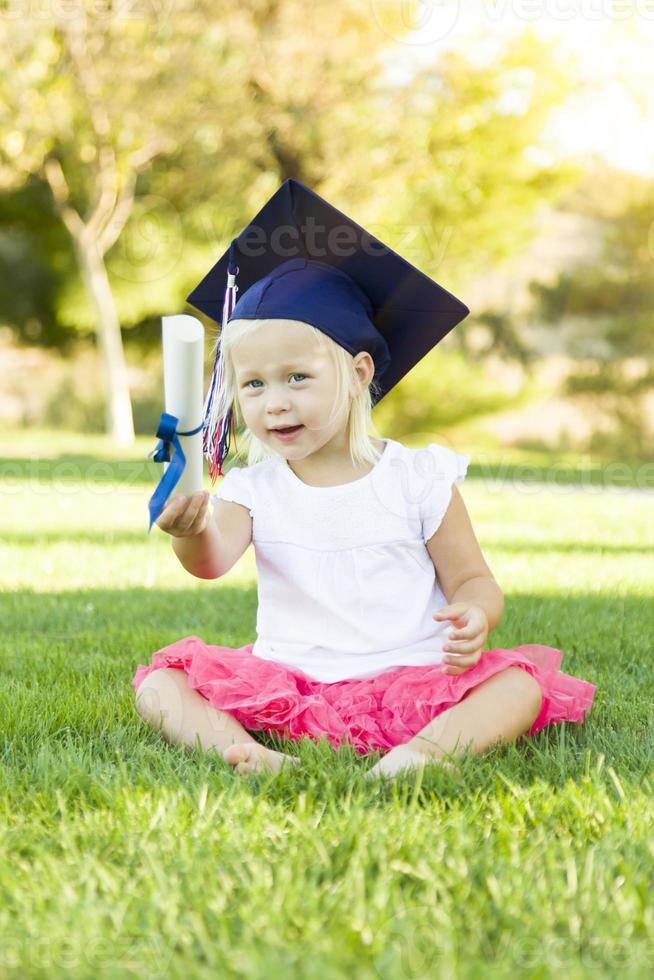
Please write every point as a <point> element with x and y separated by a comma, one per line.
<point>118,405</point>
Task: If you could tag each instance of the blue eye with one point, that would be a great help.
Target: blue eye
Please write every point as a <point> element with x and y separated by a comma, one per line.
<point>296,374</point>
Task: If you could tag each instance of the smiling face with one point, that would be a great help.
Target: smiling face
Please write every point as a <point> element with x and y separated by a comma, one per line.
<point>285,376</point>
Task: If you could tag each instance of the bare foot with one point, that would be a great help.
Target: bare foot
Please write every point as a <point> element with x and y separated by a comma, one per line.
<point>400,758</point>
<point>249,757</point>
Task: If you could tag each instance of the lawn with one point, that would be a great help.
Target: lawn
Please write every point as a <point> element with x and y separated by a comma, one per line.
<point>123,856</point>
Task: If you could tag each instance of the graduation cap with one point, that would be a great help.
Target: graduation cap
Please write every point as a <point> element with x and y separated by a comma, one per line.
<point>302,259</point>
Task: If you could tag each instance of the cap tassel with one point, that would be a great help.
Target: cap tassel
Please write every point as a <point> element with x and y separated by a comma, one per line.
<point>216,431</point>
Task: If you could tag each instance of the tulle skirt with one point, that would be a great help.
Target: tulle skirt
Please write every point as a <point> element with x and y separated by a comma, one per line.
<point>376,713</point>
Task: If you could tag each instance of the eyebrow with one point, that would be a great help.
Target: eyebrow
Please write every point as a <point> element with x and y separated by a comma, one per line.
<point>284,367</point>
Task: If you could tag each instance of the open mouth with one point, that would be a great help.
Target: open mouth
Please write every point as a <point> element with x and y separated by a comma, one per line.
<point>288,433</point>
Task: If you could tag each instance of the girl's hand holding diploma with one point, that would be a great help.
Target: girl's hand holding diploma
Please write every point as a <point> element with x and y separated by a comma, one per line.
<point>184,517</point>
<point>465,644</point>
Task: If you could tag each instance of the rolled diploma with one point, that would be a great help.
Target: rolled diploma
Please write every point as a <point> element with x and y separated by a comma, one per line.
<point>183,356</point>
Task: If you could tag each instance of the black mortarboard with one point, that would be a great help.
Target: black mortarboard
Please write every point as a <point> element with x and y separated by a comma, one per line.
<point>302,259</point>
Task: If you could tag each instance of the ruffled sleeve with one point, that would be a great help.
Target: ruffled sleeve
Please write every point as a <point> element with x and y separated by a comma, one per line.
<point>235,486</point>
<point>443,468</point>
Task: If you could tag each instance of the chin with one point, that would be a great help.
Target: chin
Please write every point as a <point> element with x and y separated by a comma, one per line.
<point>293,451</point>
<point>283,448</point>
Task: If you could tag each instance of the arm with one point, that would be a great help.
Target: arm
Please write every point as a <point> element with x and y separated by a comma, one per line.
<point>213,551</point>
<point>460,565</point>
<point>200,553</point>
<point>482,590</point>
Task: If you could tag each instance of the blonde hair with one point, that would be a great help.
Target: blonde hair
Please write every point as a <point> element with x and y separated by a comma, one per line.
<point>347,395</point>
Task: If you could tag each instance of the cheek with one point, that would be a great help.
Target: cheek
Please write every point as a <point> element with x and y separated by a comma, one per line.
<point>327,401</point>
<point>248,409</point>
<point>313,403</point>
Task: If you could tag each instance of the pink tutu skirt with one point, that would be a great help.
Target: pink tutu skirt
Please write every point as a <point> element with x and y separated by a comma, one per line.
<point>377,713</point>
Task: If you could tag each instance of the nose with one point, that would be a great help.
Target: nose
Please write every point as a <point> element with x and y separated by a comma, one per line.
<point>278,401</point>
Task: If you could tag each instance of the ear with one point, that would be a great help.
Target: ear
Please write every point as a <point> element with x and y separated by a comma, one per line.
<point>365,368</point>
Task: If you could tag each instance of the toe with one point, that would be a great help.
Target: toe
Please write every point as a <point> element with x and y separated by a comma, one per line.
<point>236,754</point>
<point>248,758</point>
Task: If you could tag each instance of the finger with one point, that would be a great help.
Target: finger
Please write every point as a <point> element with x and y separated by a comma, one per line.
<point>463,646</point>
<point>459,619</point>
<point>177,502</point>
<point>196,501</point>
<point>458,665</point>
<point>201,518</point>
<point>467,630</point>
<point>460,659</point>
<point>173,508</point>
<point>201,521</point>
<point>461,634</point>
<point>171,511</point>
<point>460,662</point>
<point>446,612</point>
<point>175,505</point>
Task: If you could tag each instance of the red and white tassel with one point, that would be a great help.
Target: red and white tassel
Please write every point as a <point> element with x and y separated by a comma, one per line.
<point>216,431</point>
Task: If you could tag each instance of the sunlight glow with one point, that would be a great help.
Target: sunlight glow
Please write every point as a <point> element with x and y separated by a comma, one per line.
<point>611,111</point>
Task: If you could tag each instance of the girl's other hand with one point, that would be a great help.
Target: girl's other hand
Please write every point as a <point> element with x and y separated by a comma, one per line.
<point>463,648</point>
<point>183,517</point>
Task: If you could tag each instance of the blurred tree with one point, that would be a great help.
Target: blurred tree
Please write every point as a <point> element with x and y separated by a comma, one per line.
<point>443,390</point>
<point>462,185</point>
<point>470,182</point>
<point>94,96</point>
<point>608,307</point>
<point>33,243</point>
<point>208,106</point>
<point>473,173</point>
<point>69,118</point>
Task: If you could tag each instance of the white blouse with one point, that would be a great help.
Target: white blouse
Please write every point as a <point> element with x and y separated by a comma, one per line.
<point>346,586</point>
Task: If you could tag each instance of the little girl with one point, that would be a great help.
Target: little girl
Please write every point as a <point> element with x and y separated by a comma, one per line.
<point>375,602</point>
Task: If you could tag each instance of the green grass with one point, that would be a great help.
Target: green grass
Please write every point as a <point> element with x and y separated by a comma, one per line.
<point>121,855</point>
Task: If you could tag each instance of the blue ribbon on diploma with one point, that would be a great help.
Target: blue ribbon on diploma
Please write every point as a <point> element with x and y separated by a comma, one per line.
<point>168,435</point>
